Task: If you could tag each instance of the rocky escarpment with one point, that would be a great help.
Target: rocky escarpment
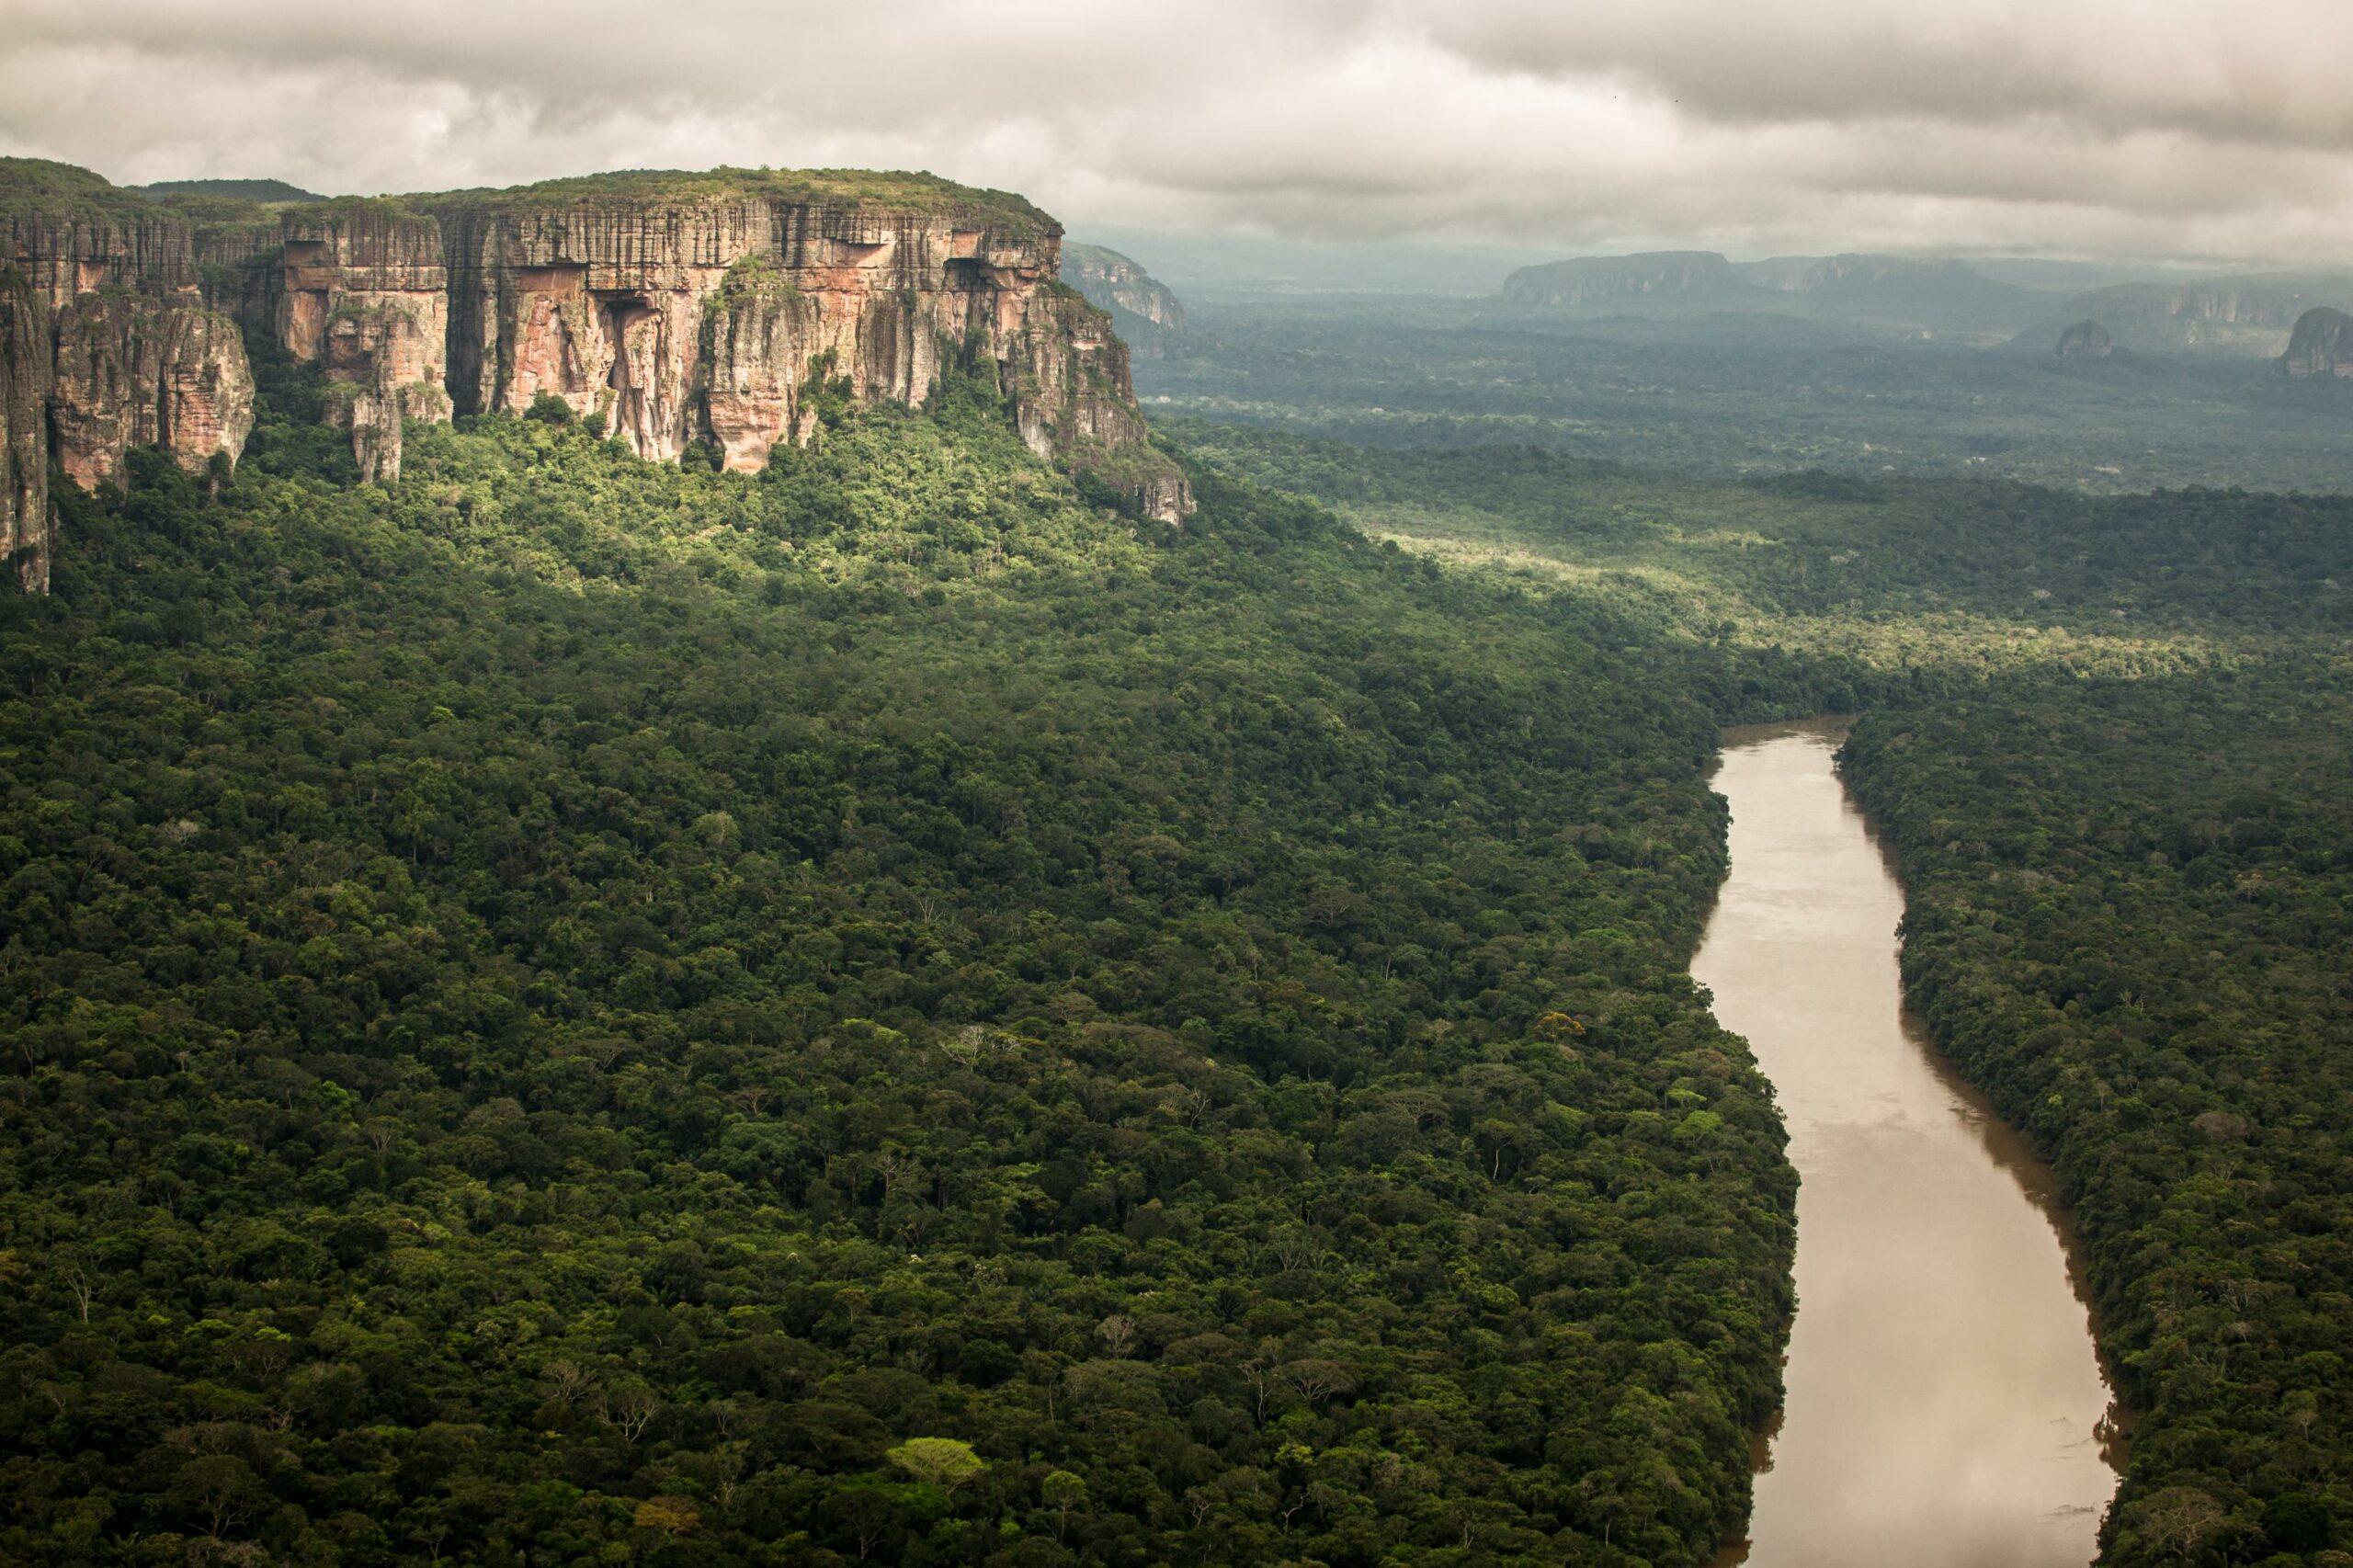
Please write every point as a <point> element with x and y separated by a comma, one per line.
<point>1146,312</point>
<point>2322,344</point>
<point>677,310</point>
<point>687,309</point>
<point>2250,315</point>
<point>1114,282</point>
<point>26,368</point>
<point>2087,348</point>
<point>109,340</point>
<point>131,370</point>
<point>362,291</point>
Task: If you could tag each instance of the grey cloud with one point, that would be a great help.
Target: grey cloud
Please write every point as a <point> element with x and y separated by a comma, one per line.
<point>2270,72</point>
<point>2164,127</point>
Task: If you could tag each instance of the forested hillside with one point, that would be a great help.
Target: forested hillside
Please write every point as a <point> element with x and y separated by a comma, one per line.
<point>573,1010</point>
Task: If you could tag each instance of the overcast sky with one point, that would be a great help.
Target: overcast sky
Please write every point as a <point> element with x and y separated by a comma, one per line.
<point>2191,129</point>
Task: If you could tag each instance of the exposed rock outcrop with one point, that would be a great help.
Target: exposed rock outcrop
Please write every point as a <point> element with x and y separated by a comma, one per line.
<point>1073,398</point>
<point>24,373</point>
<point>2249,316</point>
<point>1145,312</point>
<point>107,341</point>
<point>2322,344</point>
<point>132,370</point>
<point>690,308</point>
<point>363,293</point>
<point>676,308</point>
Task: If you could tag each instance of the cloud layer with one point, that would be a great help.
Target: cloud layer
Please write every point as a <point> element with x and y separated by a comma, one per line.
<point>2140,127</point>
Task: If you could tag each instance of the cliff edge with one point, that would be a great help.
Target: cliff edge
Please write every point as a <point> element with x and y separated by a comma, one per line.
<point>109,340</point>
<point>673,309</point>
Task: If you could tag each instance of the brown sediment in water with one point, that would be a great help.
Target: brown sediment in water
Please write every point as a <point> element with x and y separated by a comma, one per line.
<point>1945,1406</point>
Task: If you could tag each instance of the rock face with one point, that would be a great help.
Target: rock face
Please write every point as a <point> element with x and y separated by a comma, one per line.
<point>24,373</point>
<point>677,309</point>
<point>107,341</point>
<point>1111,281</point>
<point>1144,310</point>
<point>135,371</point>
<point>2085,340</point>
<point>715,308</point>
<point>362,291</point>
<point>2322,344</point>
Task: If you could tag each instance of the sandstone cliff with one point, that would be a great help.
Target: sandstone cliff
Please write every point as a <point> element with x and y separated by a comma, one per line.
<point>1145,312</point>
<point>362,291</point>
<point>107,341</point>
<point>681,308</point>
<point>677,308</point>
<point>2322,344</point>
<point>25,371</point>
<point>131,370</point>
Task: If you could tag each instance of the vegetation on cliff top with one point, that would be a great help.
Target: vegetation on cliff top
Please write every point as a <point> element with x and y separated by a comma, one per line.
<point>39,188</point>
<point>262,191</point>
<point>882,191</point>
<point>42,186</point>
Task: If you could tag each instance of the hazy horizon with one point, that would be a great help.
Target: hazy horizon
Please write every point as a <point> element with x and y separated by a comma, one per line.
<point>2087,130</point>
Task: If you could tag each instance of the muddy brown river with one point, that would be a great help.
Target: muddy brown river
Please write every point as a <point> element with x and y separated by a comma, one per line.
<point>1945,1407</point>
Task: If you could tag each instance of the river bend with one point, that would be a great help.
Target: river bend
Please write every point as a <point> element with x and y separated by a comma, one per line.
<point>1945,1406</point>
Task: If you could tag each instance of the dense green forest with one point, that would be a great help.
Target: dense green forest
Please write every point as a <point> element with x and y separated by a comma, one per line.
<point>2109,741</point>
<point>571,1009</point>
<point>1897,584</point>
<point>578,1010</point>
<point>1818,544</point>
<point>2130,906</point>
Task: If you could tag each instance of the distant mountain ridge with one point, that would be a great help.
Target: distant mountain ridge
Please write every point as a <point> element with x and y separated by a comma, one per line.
<point>1880,290</point>
<point>1683,275</point>
<point>2252,315</point>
